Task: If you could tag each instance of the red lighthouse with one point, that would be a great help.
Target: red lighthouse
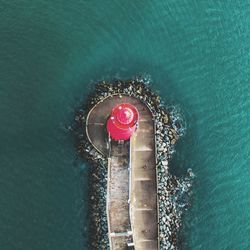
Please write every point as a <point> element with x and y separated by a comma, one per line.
<point>122,122</point>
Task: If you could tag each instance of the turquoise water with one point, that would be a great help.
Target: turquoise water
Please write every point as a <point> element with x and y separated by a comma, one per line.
<point>51,53</point>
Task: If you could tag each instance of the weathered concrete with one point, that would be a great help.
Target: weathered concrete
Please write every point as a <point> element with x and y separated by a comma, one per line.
<point>118,196</point>
<point>144,207</point>
<point>132,183</point>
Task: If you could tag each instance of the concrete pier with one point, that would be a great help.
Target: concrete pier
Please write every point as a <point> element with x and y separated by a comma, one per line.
<point>132,206</point>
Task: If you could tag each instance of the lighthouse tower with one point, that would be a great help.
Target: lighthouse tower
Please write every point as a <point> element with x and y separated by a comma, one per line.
<point>122,122</point>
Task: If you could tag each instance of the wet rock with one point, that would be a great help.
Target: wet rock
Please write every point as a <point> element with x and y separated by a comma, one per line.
<point>165,119</point>
<point>173,141</point>
<point>172,192</point>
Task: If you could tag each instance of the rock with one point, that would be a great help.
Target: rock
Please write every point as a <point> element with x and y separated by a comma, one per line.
<point>165,119</point>
<point>173,141</point>
<point>170,189</point>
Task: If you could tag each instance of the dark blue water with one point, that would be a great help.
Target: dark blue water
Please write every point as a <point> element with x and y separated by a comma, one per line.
<point>52,52</point>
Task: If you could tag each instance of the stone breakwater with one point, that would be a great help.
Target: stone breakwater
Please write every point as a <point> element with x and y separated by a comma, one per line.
<point>173,192</point>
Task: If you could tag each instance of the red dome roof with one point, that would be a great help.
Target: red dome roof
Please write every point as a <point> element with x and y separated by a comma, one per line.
<point>122,122</point>
<point>125,115</point>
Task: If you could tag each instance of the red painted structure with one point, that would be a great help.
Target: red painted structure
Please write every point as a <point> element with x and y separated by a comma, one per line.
<point>122,122</point>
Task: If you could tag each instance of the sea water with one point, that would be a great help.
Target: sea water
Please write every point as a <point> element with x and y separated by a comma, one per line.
<point>52,52</point>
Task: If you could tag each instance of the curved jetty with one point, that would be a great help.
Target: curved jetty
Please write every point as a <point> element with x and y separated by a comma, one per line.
<point>132,179</point>
<point>136,202</point>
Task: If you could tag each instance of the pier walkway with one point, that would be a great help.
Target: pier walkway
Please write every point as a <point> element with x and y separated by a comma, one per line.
<point>118,195</point>
<point>132,209</point>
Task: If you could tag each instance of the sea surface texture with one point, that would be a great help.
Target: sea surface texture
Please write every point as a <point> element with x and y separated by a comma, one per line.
<point>196,54</point>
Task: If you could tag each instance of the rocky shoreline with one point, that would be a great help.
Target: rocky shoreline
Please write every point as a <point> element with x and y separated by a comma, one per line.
<point>173,192</point>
